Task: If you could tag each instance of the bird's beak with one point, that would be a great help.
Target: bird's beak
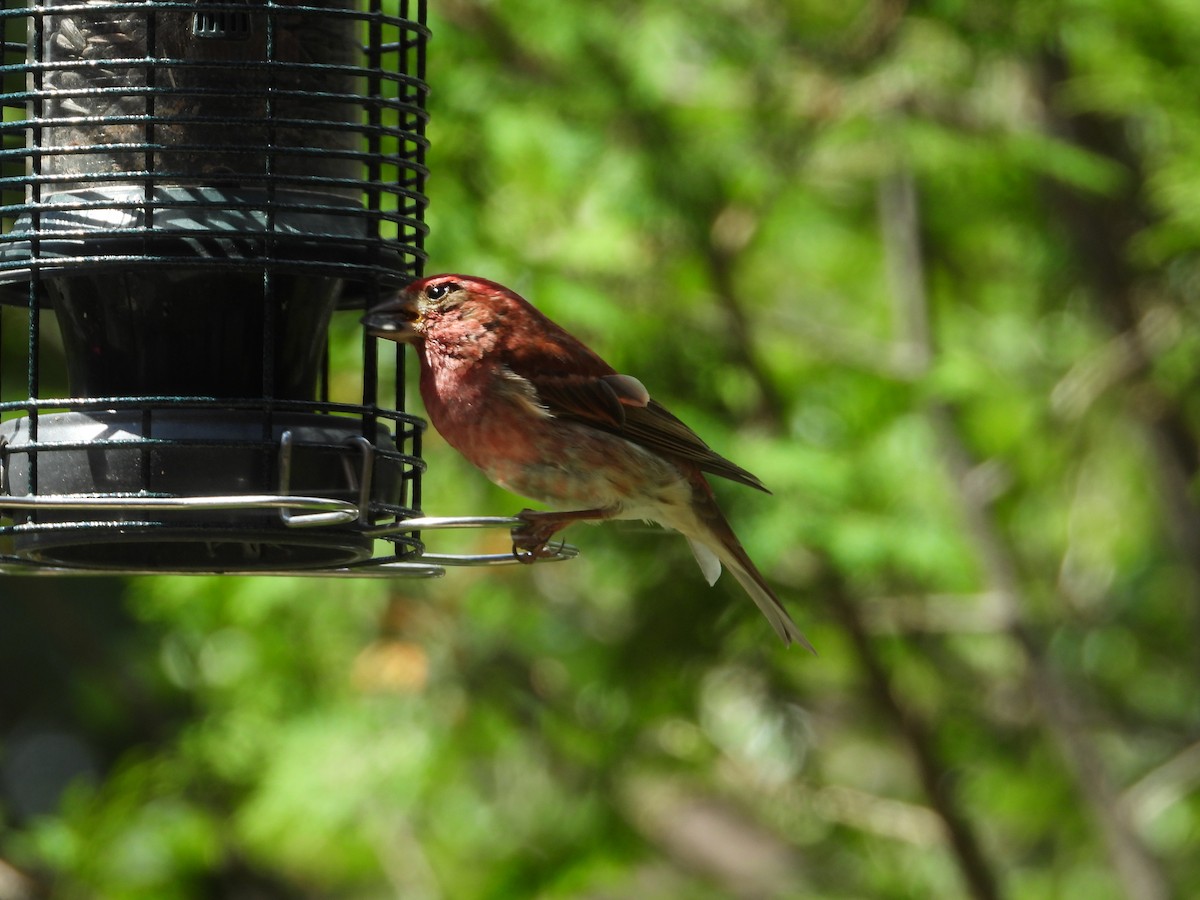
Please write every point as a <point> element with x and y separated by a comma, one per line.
<point>395,320</point>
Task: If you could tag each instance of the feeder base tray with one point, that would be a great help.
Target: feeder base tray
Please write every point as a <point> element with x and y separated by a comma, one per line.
<point>91,481</point>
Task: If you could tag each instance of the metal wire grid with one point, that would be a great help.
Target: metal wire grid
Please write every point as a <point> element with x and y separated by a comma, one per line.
<point>159,217</point>
<point>311,152</point>
<point>146,209</point>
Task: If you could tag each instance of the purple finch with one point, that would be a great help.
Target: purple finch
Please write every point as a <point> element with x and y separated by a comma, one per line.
<point>543,416</point>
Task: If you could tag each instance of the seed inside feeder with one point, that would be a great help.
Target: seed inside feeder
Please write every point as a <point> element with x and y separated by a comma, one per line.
<point>214,107</point>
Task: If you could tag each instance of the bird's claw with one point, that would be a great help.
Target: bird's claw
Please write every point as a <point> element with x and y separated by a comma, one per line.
<point>531,539</point>
<point>532,553</point>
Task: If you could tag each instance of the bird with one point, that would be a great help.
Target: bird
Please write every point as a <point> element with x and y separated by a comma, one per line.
<point>545,417</point>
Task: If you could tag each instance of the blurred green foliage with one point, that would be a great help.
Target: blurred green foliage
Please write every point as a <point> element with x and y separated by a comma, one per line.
<point>929,270</point>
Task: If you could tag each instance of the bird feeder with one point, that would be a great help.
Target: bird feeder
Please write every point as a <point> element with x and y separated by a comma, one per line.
<point>193,193</point>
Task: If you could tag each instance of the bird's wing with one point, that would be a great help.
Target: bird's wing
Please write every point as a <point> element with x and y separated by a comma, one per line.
<point>620,405</point>
<point>600,400</point>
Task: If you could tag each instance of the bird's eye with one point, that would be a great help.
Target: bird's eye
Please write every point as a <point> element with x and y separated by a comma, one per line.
<point>438,291</point>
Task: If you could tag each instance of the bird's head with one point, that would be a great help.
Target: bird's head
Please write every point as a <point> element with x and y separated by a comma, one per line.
<point>429,306</point>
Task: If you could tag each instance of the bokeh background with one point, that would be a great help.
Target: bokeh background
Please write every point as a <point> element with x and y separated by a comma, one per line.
<point>927,268</point>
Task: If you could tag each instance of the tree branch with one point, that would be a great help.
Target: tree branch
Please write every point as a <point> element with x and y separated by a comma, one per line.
<point>1140,874</point>
<point>1100,228</point>
<point>773,407</point>
<point>977,872</point>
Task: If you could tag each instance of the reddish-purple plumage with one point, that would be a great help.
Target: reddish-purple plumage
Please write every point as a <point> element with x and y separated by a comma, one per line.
<point>542,415</point>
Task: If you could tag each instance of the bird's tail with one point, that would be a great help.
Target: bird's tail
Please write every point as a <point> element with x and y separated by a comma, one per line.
<point>714,543</point>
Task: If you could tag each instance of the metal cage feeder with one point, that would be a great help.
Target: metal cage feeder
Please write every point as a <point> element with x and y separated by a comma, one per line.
<point>192,192</point>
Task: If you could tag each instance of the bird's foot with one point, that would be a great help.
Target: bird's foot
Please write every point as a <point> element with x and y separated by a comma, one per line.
<point>531,549</point>
<point>531,539</point>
